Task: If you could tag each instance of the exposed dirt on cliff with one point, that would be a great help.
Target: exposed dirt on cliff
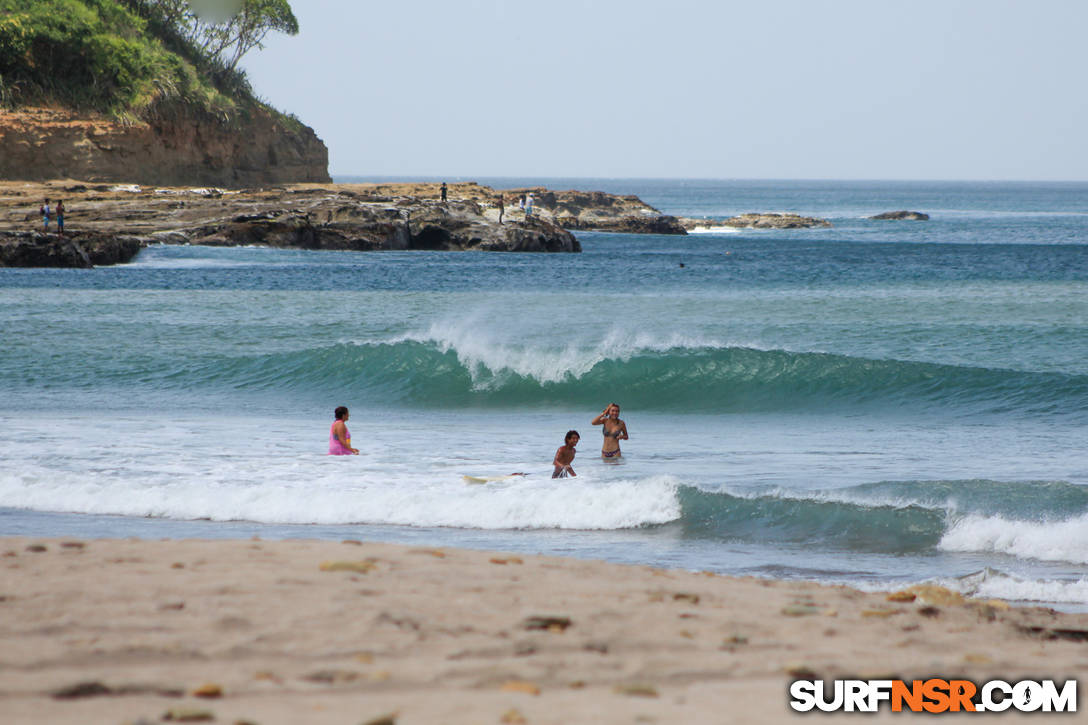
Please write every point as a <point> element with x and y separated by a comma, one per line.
<point>45,143</point>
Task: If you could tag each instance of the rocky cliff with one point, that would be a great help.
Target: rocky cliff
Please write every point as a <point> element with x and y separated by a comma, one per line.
<point>41,143</point>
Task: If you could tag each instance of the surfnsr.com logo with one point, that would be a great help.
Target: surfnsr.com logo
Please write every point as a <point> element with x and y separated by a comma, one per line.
<point>933,695</point>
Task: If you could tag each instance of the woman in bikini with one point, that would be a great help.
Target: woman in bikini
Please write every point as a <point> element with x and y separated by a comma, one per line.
<point>614,430</point>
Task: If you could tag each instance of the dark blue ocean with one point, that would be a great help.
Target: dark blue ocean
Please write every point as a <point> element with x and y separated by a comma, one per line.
<point>878,403</point>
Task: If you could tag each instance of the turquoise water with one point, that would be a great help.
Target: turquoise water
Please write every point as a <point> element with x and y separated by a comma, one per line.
<point>876,403</point>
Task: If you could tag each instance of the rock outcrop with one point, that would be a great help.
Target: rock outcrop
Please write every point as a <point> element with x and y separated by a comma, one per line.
<point>757,221</point>
<point>334,223</point>
<point>579,210</point>
<point>663,224</point>
<point>596,211</point>
<point>109,225</point>
<point>40,144</point>
<point>916,216</point>
<point>82,250</point>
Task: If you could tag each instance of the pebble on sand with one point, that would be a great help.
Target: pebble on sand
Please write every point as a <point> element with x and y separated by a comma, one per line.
<point>506,560</point>
<point>81,690</point>
<point>636,690</point>
<point>436,553</point>
<point>209,689</point>
<point>933,594</point>
<point>800,610</point>
<point>513,716</point>
<point>387,719</point>
<point>185,714</point>
<point>361,567</point>
<point>547,623</point>
<point>521,686</point>
<point>879,612</point>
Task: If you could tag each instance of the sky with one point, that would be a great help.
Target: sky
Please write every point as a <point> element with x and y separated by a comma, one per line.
<point>762,89</point>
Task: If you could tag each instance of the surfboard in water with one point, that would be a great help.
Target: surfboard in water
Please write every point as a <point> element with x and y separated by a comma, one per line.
<point>491,479</point>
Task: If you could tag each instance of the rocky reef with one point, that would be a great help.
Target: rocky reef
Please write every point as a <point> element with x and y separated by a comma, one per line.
<point>570,209</point>
<point>110,224</point>
<point>757,221</point>
<point>598,211</point>
<point>339,221</point>
<point>42,143</point>
<point>916,216</point>
<point>80,250</point>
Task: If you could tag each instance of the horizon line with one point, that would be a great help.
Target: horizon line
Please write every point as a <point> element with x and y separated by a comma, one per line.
<point>467,177</point>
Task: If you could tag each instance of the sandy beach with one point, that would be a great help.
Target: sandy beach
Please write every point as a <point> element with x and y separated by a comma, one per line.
<point>107,631</point>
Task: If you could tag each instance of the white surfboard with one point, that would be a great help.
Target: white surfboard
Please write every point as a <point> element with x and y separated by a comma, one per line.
<point>490,479</point>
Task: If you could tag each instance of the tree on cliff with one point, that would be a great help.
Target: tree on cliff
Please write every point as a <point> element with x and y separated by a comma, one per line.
<point>224,30</point>
<point>134,59</point>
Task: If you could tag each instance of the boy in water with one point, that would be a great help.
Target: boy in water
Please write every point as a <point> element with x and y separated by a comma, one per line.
<point>565,456</point>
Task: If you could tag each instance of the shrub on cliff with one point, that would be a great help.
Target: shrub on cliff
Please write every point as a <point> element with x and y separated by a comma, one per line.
<point>131,58</point>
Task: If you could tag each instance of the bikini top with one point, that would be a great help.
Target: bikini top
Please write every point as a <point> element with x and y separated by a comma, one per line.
<point>613,434</point>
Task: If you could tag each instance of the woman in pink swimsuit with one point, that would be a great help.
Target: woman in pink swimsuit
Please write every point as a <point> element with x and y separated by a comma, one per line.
<point>339,436</point>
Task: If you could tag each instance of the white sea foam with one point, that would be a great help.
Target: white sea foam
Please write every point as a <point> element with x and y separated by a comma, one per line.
<point>992,584</point>
<point>185,256</point>
<point>275,471</point>
<point>186,262</point>
<point>196,191</point>
<point>489,355</point>
<point>529,503</point>
<point>848,496</point>
<point>715,230</point>
<point>1046,540</point>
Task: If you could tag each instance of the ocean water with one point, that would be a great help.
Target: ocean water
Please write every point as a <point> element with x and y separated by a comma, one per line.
<point>878,403</point>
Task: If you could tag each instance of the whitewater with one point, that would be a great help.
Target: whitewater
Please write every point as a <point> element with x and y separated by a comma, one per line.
<point>878,403</point>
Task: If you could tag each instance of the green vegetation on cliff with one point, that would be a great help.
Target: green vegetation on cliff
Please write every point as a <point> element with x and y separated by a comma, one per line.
<point>133,59</point>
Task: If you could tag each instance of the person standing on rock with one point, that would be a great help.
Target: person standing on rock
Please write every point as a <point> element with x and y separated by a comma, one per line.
<point>528,206</point>
<point>45,215</point>
<point>443,191</point>
<point>60,216</point>
<point>502,208</point>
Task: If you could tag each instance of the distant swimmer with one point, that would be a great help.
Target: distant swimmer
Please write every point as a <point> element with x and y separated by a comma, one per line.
<point>614,430</point>
<point>565,456</point>
<point>339,436</point>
